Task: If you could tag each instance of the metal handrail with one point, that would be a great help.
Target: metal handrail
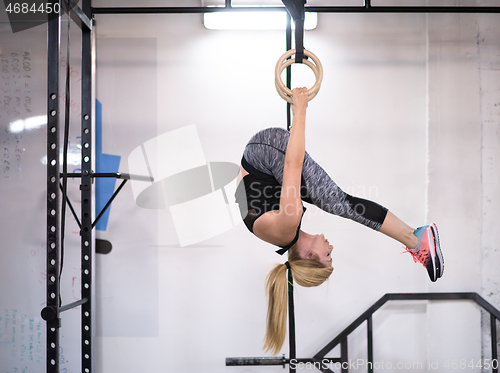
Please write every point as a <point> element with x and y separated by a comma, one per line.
<point>319,359</point>
<point>367,316</point>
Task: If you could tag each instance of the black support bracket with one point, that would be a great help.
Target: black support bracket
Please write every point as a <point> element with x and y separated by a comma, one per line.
<point>77,14</point>
<point>296,9</point>
<point>117,175</point>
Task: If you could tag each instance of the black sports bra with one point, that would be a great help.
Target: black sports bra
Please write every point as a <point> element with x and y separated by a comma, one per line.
<point>257,194</point>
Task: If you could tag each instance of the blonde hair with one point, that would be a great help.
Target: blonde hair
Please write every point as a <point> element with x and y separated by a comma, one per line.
<point>307,273</point>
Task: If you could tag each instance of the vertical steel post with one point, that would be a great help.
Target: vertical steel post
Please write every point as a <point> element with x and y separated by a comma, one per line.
<point>53,194</point>
<point>291,322</point>
<point>344,355</point>
<point>86,192</point>
<point>494,352</point>
<point>369,327</point>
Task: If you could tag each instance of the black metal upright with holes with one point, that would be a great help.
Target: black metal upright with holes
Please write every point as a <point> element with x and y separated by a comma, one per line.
<point>51,313</point>
<point>86,191</point>
<point>53,195</point>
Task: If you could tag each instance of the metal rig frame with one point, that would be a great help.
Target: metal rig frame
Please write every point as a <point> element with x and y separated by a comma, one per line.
<point>51,313</point>
<point>83,18</point>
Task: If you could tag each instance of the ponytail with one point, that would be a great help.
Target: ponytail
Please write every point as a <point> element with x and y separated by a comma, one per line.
<point>307,273</point>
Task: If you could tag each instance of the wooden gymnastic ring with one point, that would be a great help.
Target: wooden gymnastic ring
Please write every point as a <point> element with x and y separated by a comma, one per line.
<point>315,87</point>
<point>281,65</point>
<point>311,93</point>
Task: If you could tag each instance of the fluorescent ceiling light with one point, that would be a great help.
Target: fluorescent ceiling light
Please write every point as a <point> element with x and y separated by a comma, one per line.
<point>258,20</point>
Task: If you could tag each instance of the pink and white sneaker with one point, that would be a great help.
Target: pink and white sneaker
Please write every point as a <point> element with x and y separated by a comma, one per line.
<point>428,251</point>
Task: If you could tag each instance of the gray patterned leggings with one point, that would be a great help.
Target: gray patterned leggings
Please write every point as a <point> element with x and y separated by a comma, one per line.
<point>266,152</point>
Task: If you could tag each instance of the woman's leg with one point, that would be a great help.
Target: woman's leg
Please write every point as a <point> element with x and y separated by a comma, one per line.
<point>328,196</point>
<point>399,230</point>
<point>324,193</point>
<point>267,153</point>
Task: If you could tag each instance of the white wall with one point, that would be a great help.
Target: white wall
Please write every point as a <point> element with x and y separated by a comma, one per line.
<point>489,67</point>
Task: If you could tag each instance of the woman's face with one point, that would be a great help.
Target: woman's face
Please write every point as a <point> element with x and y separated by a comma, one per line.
<point>321,250</point>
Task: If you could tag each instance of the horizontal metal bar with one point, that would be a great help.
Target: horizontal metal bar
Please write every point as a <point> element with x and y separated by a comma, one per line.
<point>181,10</point>
<point>447,296</point>
<point>51,313</point>
<point>240,361</point>
<point>314,9</point>
<point>404,9</point>
<point>136,177</point>
<point>234,361</point>
<point>123,176</point>
<point>73,305</point>
<point>430,296</point>
<point>117,175</point>
<point>74,175</point>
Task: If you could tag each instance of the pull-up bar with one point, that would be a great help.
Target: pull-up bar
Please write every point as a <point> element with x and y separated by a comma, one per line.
<point>314,9</point>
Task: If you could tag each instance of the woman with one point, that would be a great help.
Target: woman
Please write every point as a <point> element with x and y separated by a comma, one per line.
<point>277,175</point>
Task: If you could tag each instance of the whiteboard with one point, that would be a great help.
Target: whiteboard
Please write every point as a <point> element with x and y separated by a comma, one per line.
<point>23,183</point>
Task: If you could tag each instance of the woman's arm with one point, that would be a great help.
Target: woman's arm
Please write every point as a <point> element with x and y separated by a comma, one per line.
<point>290,202</point>
<point>280,227</point>
<point>295,151</point>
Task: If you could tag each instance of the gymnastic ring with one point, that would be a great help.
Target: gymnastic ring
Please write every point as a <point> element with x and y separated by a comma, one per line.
<point>281,65</point>
<point>314,88</point>
<point>311,93</point>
